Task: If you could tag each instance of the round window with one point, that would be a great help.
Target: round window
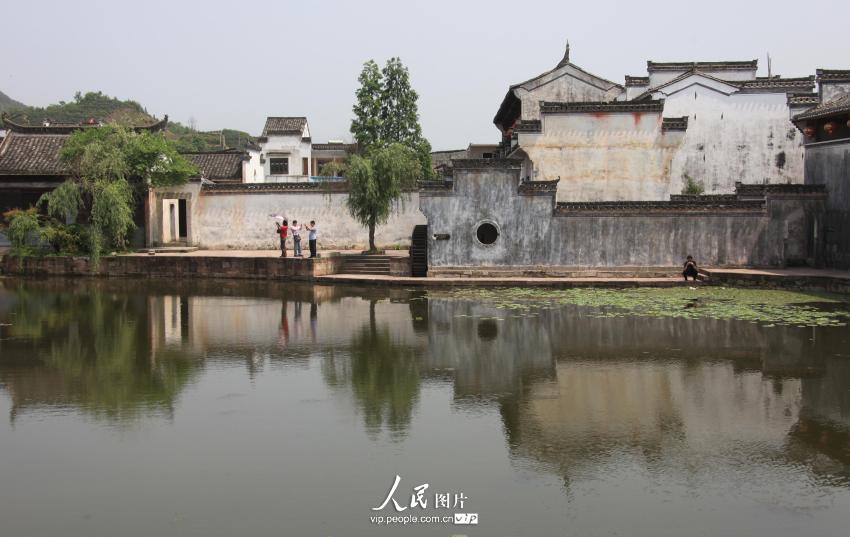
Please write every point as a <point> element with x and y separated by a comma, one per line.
<point>487,233</point>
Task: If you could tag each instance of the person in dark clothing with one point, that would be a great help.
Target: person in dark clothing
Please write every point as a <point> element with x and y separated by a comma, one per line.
<point>690,269</point>
<point>283,230</point>
<point>312,236</point>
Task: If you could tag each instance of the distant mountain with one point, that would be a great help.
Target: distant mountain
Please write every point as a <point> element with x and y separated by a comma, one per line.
<point>96,105</point>
<point>7,104</point>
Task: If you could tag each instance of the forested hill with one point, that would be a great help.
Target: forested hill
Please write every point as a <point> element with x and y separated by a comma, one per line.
<point>109,109</point>
<point>7,104</point>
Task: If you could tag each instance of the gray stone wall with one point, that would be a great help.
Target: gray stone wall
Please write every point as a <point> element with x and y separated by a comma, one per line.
<point>534,231</point>
<point>828,163</point>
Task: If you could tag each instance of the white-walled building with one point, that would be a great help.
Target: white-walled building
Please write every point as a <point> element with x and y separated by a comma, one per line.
<point>714,123</point>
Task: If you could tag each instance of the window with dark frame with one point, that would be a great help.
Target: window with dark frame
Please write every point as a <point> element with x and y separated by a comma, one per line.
<point>279,165</point>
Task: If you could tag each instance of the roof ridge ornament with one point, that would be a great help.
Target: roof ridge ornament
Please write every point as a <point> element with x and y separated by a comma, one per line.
<point>566,59</point>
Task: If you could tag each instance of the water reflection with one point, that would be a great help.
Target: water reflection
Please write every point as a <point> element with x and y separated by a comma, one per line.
<point>575,393</point>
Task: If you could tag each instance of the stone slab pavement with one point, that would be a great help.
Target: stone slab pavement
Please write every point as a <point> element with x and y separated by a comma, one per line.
<point>796,272</point>
<point>471,281</point>
<point>259,253</point>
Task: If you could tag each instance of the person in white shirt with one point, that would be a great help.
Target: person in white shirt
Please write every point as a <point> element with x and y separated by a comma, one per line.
<point>296,237</point>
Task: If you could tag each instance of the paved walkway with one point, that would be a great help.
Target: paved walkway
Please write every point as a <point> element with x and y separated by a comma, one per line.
<point>471,281</point>
<point>258,253</point>
<point>801,272</point>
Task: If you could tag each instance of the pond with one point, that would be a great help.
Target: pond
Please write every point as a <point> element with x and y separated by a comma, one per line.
<point>220,408</point>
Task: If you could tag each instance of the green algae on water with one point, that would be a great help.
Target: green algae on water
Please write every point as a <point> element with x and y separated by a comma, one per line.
<point>770,307</point>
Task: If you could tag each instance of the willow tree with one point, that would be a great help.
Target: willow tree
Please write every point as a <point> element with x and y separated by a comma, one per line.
<point>111,169</point>
<point>377,181</point>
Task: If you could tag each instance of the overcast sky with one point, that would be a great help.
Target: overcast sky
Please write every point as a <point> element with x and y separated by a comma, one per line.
<point>231,64</point>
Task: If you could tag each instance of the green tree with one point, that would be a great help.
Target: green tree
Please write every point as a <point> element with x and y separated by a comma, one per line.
<point>112,168</point>
<point>399,117</point>
<point>378,181</point>
<point>399,111</point>
<point>366,125</point>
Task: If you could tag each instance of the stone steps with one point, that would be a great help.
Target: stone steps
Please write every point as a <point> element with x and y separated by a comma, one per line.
<point>366,264</point>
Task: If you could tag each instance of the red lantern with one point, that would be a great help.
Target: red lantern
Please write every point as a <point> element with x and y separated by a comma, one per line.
<point>809,131</point>
<point>848,123</point>
<point>829,127</point>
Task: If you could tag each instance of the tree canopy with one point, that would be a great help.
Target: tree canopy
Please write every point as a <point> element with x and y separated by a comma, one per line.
<point>112,167</point>
<point>386,111</point>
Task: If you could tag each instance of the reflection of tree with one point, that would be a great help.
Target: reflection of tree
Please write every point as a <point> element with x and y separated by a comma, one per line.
<point>88,348</point>
<point>384,377</point>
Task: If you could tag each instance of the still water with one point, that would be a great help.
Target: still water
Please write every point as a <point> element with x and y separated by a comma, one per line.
<point>223,408</point>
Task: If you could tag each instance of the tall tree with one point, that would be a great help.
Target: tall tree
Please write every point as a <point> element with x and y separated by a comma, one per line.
<point>366,125</point>
<point>377,182</point>
<point>399,111</point>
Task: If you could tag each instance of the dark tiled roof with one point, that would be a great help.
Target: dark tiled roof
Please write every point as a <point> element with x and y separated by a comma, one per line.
<point>803,99</point>
<point>528,125</point>
<point>32,154</point>
<point>539,187</point>
<point>833,75</point>
<point>219,164</point>
<point>632,81</point>
<point>674,124</point>
<point>284,125</point>
<point>272,188</point>
<point>702,66</point>
<point>483,163</point>
<point>839,106</point>
<point>748,189</point>
<point>68,128</point>
<point>777,83</point>
<point>637,208</point>
<point>591,107</point>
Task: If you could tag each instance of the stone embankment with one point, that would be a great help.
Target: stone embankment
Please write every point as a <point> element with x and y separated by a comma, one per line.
<point>394,270</point>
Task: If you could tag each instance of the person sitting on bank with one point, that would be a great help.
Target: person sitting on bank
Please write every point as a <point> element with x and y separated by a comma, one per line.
<point>314,233</point>
<point>282,230</point>
<point>690,269</point>
<point>296,237</point>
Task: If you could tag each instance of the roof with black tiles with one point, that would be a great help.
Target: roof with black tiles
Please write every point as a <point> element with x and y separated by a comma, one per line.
<point>68,128</point>
<point>649,105</point>
<point>778,83</point>
<point>702,66</point>
<point>284,125</point>
<point>835,107</point>
<point>32,154</point>
<point>632,81</point>
<point>833,75</point>
<point>220,165</point>
<point>803,99</point>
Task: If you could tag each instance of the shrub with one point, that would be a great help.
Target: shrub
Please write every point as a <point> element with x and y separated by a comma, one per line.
<point>22,225</point>
<point>65,239</point>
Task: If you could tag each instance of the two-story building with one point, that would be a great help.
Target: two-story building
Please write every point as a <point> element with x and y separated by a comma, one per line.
<point>704,123</point>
